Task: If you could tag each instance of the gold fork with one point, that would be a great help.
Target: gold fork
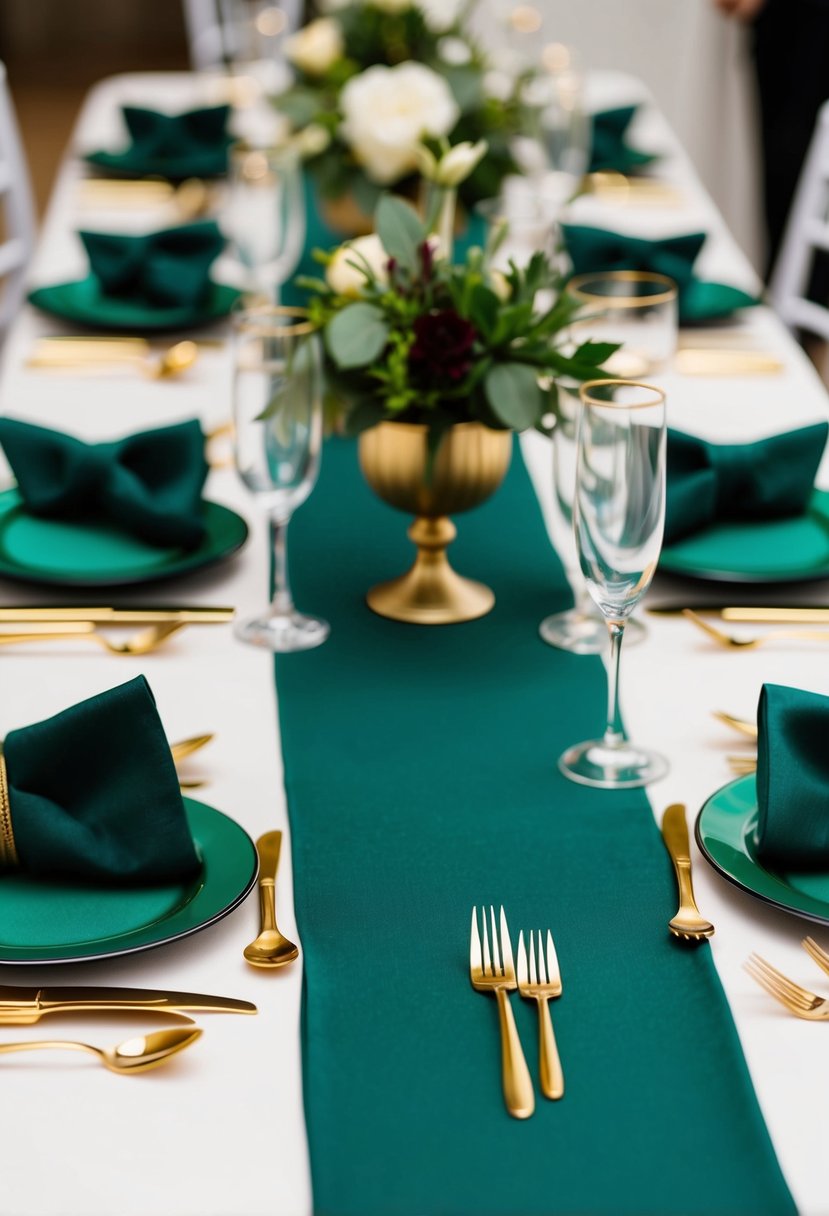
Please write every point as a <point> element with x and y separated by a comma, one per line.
<point>732,643</point>
<point>687,924</point>
<point>140,643</point>
<point>540,983</point>
<point>742,725</point>
<point>817,953</point>
<point>799,1001</point>
<point>742,765</point>
<point>491,974</point>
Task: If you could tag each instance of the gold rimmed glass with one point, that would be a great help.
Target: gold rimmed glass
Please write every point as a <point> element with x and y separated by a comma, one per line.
<point>619,518</point>
<point>635,309</point>
<point>277,408</point>
<point>265,215</point>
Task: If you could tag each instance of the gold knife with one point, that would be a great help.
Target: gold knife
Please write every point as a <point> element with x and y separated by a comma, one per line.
<point>25,1006</point>
<point>687,924</point>
<point>774,615</point>
<point>101,615</point>
<point>718,361</point>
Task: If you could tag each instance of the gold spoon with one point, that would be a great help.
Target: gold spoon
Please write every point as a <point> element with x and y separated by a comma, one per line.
<point>270,948</point>
<point>133,1055</point>
<point>83,352</point>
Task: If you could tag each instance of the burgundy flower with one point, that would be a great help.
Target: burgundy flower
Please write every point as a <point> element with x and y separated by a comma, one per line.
<point>442,349</point>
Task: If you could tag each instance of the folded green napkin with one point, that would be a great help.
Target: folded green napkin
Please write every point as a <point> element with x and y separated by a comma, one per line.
<point>176,146</point>
<point>93,792</point>
<point>160,269</point>
<point>597,249</point>
<point>711,482</point>
<point>609,152</point>
<point>148,484</point>
<point>792,778</point>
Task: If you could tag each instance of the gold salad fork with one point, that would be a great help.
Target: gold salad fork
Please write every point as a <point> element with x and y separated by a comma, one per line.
<point>140,643</point>
<point>799,1001</point>
<point>687,923</point>
<point>731,643</point>
<point>496,973</point>
<point>539,982</point>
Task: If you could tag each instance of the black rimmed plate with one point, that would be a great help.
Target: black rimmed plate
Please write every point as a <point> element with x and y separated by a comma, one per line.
<point>726,833</point>
<point>61,553</point>
<point>83,302</point>
<point>59,922</point>
<point>770,551</point>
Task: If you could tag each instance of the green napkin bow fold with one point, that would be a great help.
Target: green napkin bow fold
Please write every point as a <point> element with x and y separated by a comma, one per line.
<point>167,268</point>
<point>793,778</point>
<point>593,250</point>
<point>192,144</point>
<point>93,793</point>
<point>148,484</point>
<point>610,153</point>
<point>710,483</point>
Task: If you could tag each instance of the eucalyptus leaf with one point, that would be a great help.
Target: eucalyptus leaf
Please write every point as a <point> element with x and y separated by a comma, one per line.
<point>513,394</point>
<point>356,336</point>
<point>400,230</point>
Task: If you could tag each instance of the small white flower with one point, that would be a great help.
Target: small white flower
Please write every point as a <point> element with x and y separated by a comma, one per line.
<point>454,51</point>
<point>388,111</point>
<point>440,15</point>
<point>317,46</point>
<point>311,140</point>
<point>346,272</point>
<point>456,165</point>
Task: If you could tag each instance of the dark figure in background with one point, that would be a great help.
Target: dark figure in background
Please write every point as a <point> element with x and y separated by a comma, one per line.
<point>791,58</point>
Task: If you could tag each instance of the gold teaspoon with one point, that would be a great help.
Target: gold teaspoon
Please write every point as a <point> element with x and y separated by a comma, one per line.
<point>133,1055</point>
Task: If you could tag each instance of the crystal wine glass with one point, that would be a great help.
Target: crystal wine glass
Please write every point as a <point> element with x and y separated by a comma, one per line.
<point>635,310</point>
<point>619,518</point>
<point>265,215</point>
<point>277,406</point>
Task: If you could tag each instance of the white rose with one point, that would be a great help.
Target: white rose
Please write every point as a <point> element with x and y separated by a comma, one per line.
<point>315,47</point>
<point>387,111</point>
<point>344,273</point>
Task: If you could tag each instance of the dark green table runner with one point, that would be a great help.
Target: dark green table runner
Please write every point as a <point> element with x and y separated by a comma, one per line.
<point>421,776</point>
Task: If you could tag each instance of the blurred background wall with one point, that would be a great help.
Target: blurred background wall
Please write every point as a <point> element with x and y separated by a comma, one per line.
<point>694,62</point>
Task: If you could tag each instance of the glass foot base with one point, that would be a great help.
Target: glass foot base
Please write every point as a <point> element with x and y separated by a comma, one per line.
<point>583,633</point>
<point>612,768</point>
<point>283,634</point>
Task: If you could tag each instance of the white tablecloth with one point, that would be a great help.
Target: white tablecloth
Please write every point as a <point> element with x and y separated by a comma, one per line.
<point>221,1133</point>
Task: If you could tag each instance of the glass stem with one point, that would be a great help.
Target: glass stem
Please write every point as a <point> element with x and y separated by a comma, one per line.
<point>282,603</point>
<point>614,736</point>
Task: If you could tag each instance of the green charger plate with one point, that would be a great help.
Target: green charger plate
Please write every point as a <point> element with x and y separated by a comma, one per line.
<point>772,551</point>
<point>59,553</point>
<point>60,922</point>
<point>726,834</point>
<point>83,302</point>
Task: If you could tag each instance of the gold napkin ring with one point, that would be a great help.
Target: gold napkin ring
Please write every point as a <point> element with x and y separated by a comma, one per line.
<point>8,850</point>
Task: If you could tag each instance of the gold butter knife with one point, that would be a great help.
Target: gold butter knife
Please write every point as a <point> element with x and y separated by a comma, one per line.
<point>25,1006</point>
<point>699,361</point>
<point>102,615</point>
<point>687,924</point>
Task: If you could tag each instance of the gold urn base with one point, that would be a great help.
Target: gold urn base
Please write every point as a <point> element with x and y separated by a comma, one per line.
<point>431,593</point>
<point>470,465</point>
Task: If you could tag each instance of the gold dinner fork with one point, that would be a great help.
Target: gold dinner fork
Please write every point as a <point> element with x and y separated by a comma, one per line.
<point>539,983</point>
<point>741,725</point>
<point>799,1001</point>
<point>140,643</point>
<point>496,973</point>
<point>732,643</point>
<point>817,953</point>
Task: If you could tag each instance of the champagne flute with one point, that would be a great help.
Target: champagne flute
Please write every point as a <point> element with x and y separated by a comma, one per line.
<point>619,517</point>
<point>277,407</point>
<point>265,215</point>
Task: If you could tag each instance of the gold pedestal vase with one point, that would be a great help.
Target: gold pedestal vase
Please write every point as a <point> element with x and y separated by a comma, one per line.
<point>469,466</point>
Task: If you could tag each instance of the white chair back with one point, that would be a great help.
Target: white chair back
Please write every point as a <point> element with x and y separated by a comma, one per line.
<point>17,235</point>
<point>807,230</point>
<point>223,31</point>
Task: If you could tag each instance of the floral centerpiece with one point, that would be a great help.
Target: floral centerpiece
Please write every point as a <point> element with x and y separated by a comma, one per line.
<point>434,364</point>
<point>376,77</point>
